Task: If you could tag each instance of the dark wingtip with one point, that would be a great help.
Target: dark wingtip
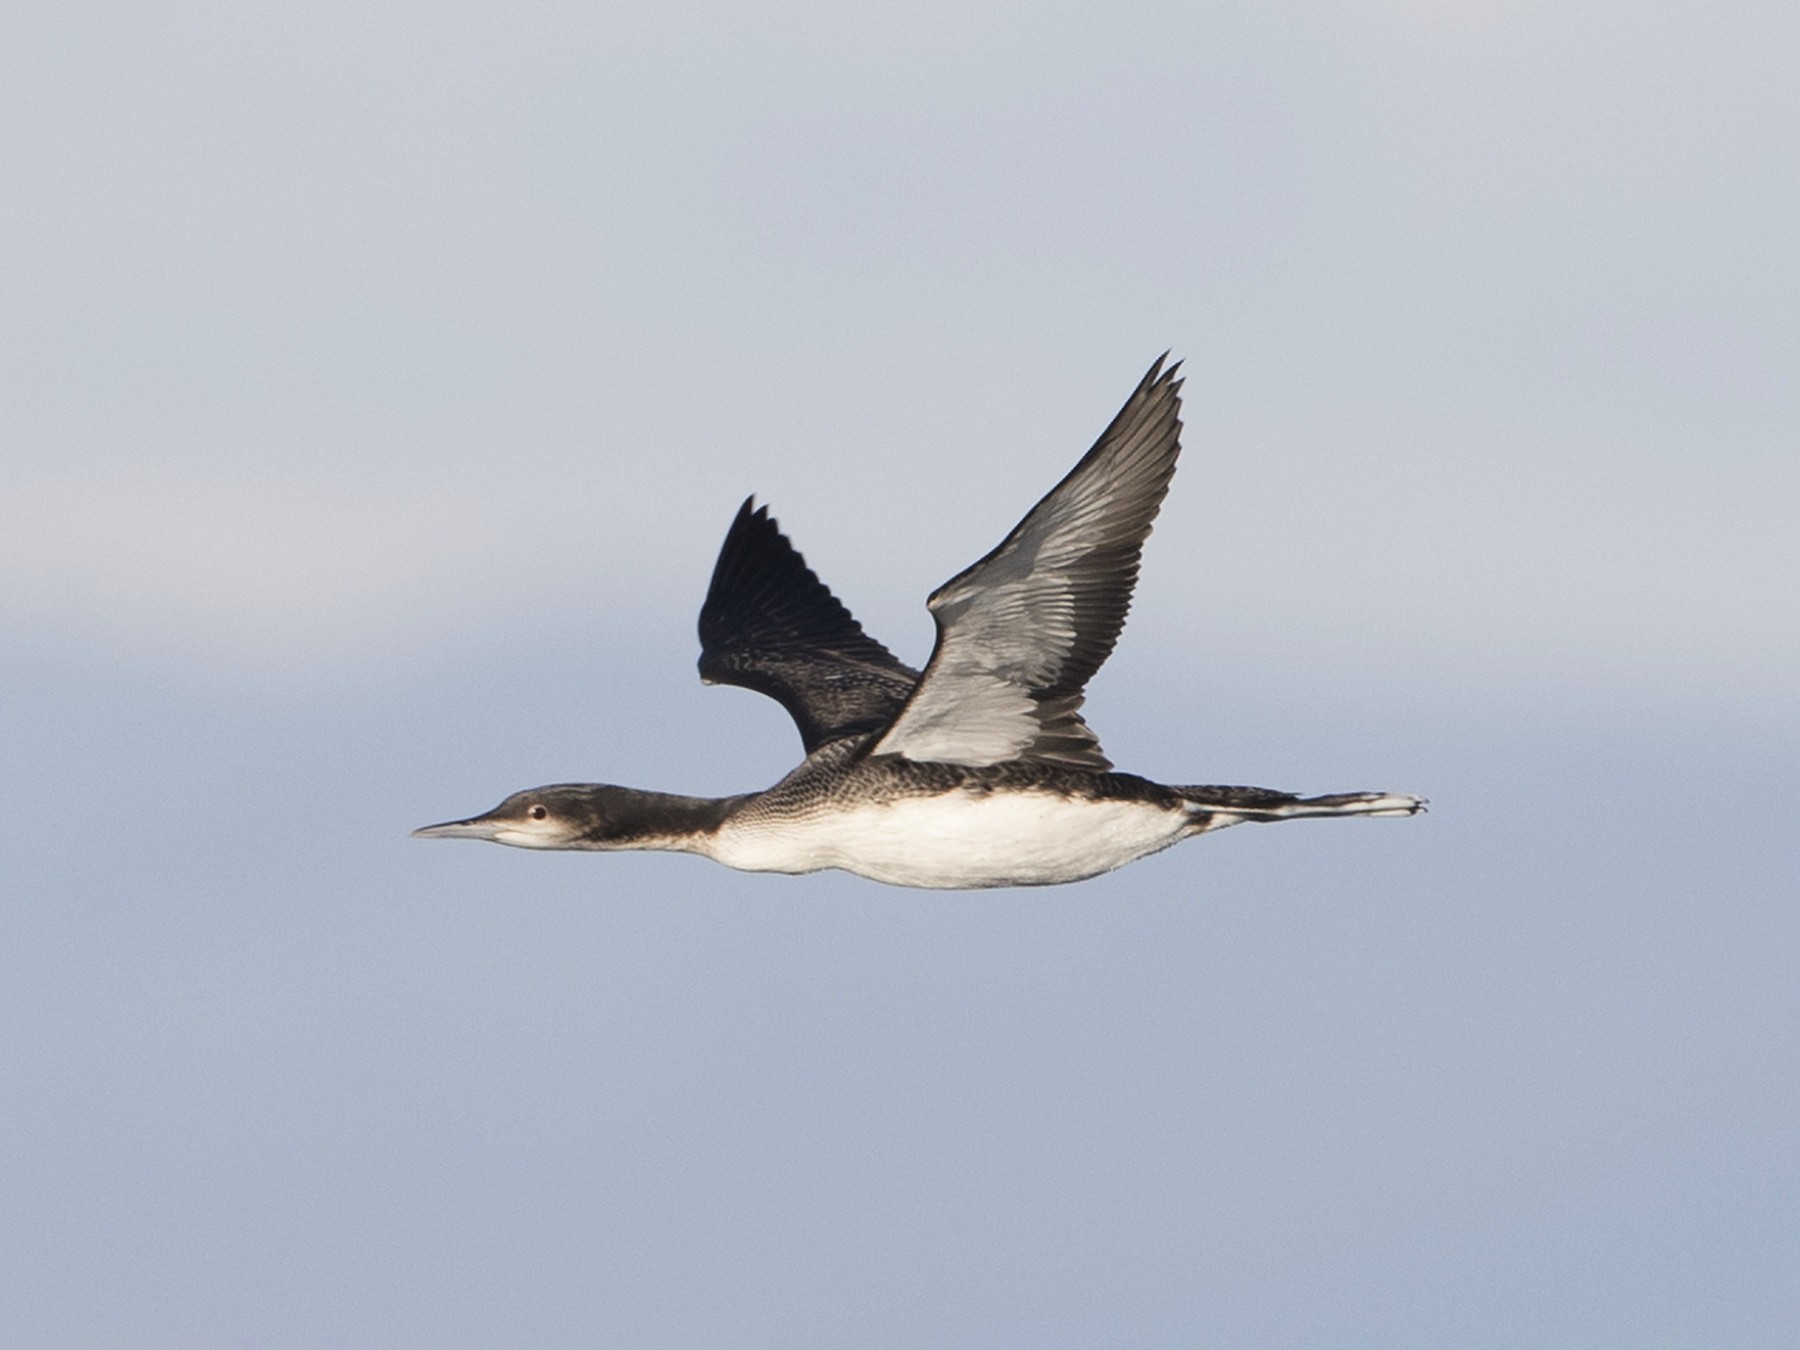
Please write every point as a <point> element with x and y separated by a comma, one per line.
<point>1157,375</point>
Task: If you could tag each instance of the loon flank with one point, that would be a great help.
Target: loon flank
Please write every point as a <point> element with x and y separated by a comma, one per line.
<point>978,772</point>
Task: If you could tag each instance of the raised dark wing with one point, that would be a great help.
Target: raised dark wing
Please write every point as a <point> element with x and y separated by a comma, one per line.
<point>1022,631</point>
<point>771,625</point>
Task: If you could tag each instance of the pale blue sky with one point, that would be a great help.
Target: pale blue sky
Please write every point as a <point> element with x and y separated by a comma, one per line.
<point>376,382</point>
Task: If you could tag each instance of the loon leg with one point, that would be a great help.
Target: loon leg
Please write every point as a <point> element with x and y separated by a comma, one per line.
<point>1214,807</point>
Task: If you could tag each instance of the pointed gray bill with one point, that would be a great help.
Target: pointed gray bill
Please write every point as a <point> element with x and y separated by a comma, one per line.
<point>478,828</point>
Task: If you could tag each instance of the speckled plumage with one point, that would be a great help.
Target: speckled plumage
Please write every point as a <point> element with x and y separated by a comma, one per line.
<point>978,772</point>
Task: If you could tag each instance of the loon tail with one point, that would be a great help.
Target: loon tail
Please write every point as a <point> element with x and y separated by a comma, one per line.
<point>1247,803</point>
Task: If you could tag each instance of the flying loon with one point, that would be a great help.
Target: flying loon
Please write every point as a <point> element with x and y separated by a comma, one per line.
<point>978,772</point>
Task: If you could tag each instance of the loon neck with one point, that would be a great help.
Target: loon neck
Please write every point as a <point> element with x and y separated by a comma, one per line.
<point>633,818</point>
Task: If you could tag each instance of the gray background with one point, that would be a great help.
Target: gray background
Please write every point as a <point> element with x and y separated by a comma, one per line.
<point>378,380</point>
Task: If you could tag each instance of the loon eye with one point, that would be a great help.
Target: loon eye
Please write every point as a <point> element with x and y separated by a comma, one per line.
<point>538,813</point>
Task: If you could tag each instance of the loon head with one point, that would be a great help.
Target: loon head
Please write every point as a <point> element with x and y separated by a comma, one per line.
<point>566,815</point>
<point>593,816</point>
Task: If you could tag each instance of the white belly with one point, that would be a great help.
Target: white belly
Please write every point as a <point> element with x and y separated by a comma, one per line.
<point>957,839</point>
